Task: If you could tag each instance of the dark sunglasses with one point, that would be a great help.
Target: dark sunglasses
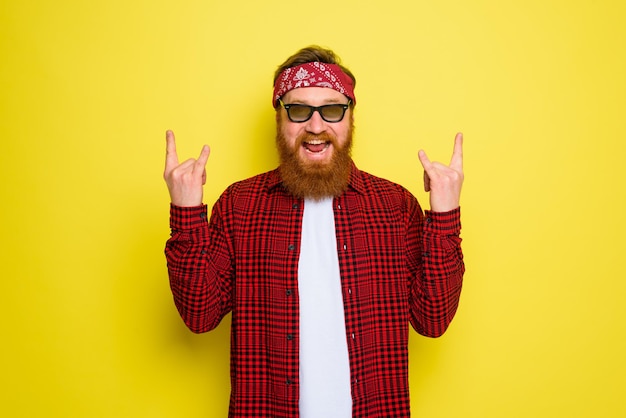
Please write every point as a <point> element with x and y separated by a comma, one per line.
<point>299,113</point>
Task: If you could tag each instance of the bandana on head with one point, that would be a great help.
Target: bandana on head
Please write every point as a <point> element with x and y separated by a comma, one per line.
<point>313,74</point>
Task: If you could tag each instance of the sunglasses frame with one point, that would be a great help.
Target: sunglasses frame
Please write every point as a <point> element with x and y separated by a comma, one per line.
<point>313,109</point>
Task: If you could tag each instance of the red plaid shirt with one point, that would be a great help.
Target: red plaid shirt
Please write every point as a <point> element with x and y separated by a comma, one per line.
<point>397,267</point>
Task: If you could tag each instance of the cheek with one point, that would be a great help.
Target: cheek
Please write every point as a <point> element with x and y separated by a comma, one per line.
<point>289,135</point>
<point>283,123</point>
<point>342,134</point>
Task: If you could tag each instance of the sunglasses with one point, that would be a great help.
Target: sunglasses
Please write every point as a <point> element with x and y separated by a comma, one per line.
<point>299,113</point>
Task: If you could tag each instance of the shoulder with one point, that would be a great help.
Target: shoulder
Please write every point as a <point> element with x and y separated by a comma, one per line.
<point>252,194</point>
<point>256,185</point>
<point>371,185</point>
<point>378,194</point>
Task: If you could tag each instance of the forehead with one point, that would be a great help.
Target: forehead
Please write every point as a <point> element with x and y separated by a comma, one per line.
<point>314,96</point>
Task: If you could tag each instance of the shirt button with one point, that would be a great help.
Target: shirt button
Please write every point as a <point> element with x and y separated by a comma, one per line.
<point>291,247</point>
<point>295,206</point>
<point>290,337</point>
<point>289,381</point>
<point>429,220</point>
<point>202,215</point>
<point>288,292</point>
<point>426,254</point>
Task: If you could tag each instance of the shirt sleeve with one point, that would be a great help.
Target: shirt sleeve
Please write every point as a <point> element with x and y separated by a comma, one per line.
<point>436,288</point>
<point>199,267</point>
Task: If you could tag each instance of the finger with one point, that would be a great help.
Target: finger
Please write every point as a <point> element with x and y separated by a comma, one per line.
<point>424,160</point>
<point>202,159</point>
<point>427,166</point>
<point>171,157</point>
<point>456,162</point>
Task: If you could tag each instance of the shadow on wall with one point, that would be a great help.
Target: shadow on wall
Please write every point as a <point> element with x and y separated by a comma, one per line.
<point>155,351</point>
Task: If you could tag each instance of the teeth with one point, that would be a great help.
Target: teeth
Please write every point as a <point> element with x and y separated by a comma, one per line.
<point>315,142</point>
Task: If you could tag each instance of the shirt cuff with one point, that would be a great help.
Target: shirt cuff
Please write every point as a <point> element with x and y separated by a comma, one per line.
<point>445,223</point>
<point>187,218</point>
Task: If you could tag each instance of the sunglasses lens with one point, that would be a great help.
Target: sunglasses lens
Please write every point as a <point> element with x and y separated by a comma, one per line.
<point>333,113</point>
<point>299,113</point>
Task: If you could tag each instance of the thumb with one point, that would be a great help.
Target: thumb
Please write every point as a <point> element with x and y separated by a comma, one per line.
<point>202,159</point>
<point>204,155</point>
<point>424,159</point>
<point>426,164</point>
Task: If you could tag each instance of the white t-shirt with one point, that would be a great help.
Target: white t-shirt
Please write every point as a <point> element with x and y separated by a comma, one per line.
<point>324,362</point>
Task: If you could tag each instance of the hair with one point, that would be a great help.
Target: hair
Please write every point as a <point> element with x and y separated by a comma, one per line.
<point>313,53</point>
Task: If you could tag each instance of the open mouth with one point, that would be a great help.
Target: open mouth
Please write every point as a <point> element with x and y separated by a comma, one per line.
<point>316,145</point>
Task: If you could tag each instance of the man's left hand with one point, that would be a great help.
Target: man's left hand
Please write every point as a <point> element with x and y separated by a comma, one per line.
<point>444,181</point>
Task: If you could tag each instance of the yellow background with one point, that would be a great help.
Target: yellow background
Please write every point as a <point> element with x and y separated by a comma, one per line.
<point>88,89</point>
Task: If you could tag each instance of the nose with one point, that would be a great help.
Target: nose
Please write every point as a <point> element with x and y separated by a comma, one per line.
<point>316,124</point>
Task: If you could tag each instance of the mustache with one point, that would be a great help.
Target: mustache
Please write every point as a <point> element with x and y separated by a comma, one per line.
<point>324,136</point>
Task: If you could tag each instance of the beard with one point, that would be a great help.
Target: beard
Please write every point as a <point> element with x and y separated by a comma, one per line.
<point>315,180</point>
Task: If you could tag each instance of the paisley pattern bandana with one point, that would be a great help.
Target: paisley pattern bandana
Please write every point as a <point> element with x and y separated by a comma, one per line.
<point>313,74</point>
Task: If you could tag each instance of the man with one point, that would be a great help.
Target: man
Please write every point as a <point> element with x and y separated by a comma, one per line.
<point>323,266</point>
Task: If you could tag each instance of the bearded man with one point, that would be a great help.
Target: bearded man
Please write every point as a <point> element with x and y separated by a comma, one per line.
<point>323,266</point>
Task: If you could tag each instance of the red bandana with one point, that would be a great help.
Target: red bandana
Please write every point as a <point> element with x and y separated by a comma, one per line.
<point>313,74</point>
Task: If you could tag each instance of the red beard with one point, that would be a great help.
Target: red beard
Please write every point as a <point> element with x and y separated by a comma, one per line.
<point>315,180</point>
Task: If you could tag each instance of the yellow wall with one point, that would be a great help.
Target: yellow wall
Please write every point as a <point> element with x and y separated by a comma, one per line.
<point>88,89</point>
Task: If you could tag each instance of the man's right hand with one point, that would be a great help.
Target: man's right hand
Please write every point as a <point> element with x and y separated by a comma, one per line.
<point>185,180</point>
